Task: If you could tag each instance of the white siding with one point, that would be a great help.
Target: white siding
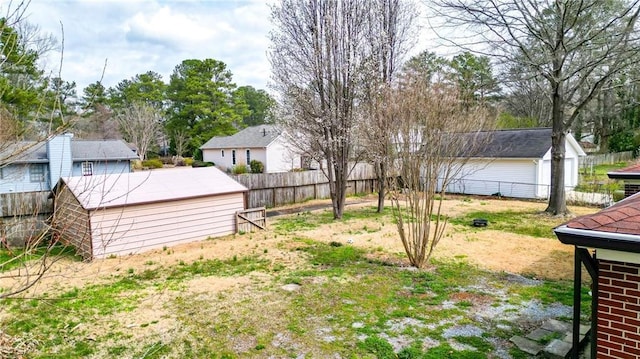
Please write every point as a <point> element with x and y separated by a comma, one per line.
<point>215,156</point>
<point>280,158</point>
<point>276,157</point>
<point>226,162</point>
<point>512,178</point>
<point>133,229</point>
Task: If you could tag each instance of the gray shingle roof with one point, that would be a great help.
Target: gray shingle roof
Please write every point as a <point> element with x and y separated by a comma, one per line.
<point>81,150</point>
<point>251,137</point>
<point>516,143</point>
<point>25,152</point>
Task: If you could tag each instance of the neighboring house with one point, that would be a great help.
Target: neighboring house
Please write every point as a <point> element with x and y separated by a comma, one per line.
<point>264,143</point>
<point>516,163</point>
<point>630,176</point>
<point>607,243</point>
<point>106,215</point>
<point>38,166</point>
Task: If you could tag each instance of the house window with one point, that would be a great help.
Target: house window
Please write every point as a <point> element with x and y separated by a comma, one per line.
<point>87,168</point>
<point>233,157</point>
<point>248,156</point>
<point>222,153</point>
<point>36,173</point>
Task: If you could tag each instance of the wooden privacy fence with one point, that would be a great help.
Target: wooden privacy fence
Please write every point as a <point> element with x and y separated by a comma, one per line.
<point>251,219</point>
<point>23,216</point>
<point>277,189</point>
<point>605,158</point>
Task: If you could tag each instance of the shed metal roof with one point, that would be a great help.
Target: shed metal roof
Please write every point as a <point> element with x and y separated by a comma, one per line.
<point>251,137</point>
<point>106,191</point>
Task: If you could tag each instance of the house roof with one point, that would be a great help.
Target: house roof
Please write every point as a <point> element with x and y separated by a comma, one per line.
<point>631,172</point>
<point>105,191</point>
<point>81,150</point>
<point>84,150</point>
<point>251,137</point>
<point>517,143</point>
<point>25,152</point>
<point>616,227</point>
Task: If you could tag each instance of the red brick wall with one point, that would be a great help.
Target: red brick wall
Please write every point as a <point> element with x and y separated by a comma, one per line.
<point>618,310</point>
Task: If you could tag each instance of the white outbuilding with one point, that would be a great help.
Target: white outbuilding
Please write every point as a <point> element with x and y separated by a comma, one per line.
<point>516,163</point>
<point>107,215</point>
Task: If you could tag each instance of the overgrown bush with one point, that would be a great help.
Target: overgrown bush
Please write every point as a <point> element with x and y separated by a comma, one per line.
<point>256,166</point>
<point>153,163</point>
<point>198,163</point>
<point>239,169</point>
<point>166,160</point>
<point>136,164</point>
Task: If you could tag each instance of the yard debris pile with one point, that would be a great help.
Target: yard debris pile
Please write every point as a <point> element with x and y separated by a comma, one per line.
<point>12,347</point>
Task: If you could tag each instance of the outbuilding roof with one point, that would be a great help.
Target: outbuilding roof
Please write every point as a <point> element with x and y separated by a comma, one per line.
<point>251,137</point>
<point>104,191</point>
<point>616,227</point>
<point>517,143</point>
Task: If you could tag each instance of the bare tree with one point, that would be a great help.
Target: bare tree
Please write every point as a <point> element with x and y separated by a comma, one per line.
<point>436,133</point>
<point>324,58</point>
<point>318,56</point>
<point>140,124</point>
<point>23,116</point>
<point>180,139</point>
<point>574,45</point>
<point>391,33</point>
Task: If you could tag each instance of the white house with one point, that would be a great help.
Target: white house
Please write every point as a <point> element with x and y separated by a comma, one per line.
<point>264,143</point>
<point>516,163</point>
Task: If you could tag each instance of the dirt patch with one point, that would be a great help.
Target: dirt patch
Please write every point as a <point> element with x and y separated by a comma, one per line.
<point>489,249</point>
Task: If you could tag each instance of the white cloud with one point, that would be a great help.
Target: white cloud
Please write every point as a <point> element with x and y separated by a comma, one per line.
<point>150,35</point>
<point>166,26</point>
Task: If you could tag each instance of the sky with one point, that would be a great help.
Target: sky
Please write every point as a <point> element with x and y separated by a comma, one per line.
<point>134,37</point>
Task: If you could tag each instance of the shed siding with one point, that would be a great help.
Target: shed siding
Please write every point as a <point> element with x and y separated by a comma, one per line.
<point>512,178</point>
<point>136,228</point>
<point>71,222</point>
<point>618,310</point>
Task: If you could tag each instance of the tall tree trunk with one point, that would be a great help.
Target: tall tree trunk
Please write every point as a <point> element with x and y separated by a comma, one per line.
<point>340,187</point>
<point>381,174</point>
<point>557,201</point>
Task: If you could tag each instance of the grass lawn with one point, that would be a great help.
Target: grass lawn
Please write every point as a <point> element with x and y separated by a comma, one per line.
<point>309,287</point>
<point>595,179</point>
